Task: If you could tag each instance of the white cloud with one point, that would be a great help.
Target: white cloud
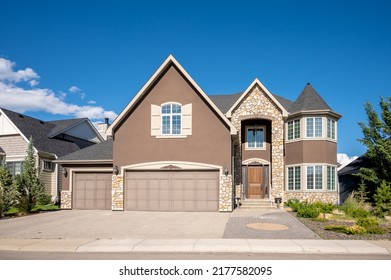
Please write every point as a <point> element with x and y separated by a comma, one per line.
<point>344,159</point>
<point>91,102</point>
<point>20,99</point>
<point>7,74</point>
<point>74,89</point>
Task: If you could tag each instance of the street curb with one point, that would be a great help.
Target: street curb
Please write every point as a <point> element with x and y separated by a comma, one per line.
<point>280,246</point>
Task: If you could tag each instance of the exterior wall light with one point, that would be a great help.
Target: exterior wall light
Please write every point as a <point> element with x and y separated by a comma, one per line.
<point>64,172</point>
<point>115,170</point>
<point>226,171</point>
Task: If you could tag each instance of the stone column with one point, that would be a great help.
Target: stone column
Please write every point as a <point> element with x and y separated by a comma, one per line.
<point>225,196</point>
<point>66,200</point>
<point>117,193</point>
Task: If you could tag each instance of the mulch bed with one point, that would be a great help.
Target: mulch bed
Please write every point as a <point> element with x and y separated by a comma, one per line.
<point>318,228</point>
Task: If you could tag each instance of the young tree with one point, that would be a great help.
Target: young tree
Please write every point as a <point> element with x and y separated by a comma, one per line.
<point>383,199</point>
<point>377,138</point>
<point>30,186</point>
<point>8,192</point>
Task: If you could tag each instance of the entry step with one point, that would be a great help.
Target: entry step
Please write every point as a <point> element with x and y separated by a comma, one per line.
<point>256,203</point>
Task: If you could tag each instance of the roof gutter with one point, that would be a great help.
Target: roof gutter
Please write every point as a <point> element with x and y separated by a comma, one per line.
<point>95,161</point>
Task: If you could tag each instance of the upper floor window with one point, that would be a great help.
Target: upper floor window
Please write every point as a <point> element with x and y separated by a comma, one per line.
<point>171,119</point>
<point>331,129</point>
<point>47,165</point>
<point>255,137</point>
<point>314,127</point>
<point>294,129</point>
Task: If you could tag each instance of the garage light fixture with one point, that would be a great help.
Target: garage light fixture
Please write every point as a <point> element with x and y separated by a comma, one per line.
<point>115,170</point>
<point>226,171</point>
<point>64,171</point>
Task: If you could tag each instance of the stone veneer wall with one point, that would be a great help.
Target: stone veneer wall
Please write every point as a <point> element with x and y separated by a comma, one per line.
<point>258,105</point>
<point>225,194</point>
<point>117,193</point>
<point>327,197</point>
<point>66,200</point>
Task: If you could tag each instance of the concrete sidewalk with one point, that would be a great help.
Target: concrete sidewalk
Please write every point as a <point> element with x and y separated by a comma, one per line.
<point>304,246</point>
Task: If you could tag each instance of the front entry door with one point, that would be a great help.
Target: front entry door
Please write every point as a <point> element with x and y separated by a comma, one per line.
<point>255,182</point>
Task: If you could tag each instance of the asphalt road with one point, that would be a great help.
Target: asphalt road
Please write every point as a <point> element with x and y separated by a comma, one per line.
<point>15,255</point>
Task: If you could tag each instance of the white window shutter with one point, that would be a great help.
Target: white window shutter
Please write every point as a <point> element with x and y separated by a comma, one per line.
<point>186,119</point>
<point>155,120</point>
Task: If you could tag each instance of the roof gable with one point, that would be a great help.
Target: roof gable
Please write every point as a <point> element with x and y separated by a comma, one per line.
<point>156,76</point>
<point>39,131</point>
<point>265,90</point>
<point>81,128</point>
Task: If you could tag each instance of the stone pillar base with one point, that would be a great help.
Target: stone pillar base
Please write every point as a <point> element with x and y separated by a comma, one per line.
<point>117,193</point>
<point>66,200</point>
<point>225,194</point>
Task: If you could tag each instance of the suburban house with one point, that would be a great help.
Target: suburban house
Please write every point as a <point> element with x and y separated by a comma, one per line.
<point>51,140</point>
<point>175,148</point>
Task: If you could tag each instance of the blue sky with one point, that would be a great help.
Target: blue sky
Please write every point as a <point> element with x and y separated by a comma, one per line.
<point>63,59</point>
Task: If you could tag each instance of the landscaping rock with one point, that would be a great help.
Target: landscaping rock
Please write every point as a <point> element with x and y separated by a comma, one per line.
<point>338,212</point>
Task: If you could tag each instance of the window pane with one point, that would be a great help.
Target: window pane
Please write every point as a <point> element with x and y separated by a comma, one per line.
<point>330,178</point>
<point>166,109</point>
<point>290,178</point>
<point>259,138</point>
<point>310,127</point>
<point>318,127</point>
<point>290,130</point>
<point>310,177</point>
<point>297,178</point>
<point>318,177</point>
<point>176,124</point>
<point>297,128</point>
<point>166,125</point>
<point>251,138</point>
<point>176,109</point>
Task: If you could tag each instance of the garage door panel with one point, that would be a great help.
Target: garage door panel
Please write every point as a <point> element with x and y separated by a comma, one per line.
<point>92,191</point>
<point>172,190</point>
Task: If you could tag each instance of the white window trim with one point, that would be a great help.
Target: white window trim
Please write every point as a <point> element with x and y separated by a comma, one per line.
<point>170,135</point>
<point>264,138</point>
<point>303,175</point>
<point>294,139</point>
<point>47,169</point>
<point>294,178</point>
<point>303,130</point>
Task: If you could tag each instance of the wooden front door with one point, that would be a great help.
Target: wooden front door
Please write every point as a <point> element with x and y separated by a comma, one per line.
<point>255,182</point>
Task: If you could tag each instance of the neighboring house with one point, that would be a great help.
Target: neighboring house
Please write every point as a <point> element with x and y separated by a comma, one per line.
<point>347,179</point>
<point>174,148</point>
<point>51,139</point>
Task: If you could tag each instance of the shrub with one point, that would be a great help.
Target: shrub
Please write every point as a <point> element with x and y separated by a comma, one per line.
<point>353,208</point>
<point>45,199</point>
<point>371,225</point>
<point>356,229</point>
<point>359,213</point>
<point>294,204</point>
<point>324,207</point>
<point>308,211</point>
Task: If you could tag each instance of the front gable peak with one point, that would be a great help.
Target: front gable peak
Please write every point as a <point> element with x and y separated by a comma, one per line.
<point>258,83</point>
<point>170,61</point>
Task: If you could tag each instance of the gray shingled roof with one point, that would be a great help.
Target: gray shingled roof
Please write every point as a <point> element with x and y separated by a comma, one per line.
<point>102,151</point>
<point>309,100</point>
<point>39,131</point>
<point>354,166</point>
<point>61,125</point>
<point>225,101</point>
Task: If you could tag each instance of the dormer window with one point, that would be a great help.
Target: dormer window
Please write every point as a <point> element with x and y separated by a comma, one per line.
<point>171,119</point>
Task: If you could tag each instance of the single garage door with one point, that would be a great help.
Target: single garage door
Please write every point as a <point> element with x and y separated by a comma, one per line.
<point>92,191</point>
<point>172,191</point>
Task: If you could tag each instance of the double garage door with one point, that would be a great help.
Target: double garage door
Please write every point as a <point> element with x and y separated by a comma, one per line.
<point>150,190</point>
<point>172,190</point>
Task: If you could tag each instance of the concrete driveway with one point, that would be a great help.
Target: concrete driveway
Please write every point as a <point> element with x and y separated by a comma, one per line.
<point>97,224</point>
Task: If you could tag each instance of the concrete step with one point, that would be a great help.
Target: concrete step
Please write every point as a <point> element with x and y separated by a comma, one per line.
<point>256,203</point>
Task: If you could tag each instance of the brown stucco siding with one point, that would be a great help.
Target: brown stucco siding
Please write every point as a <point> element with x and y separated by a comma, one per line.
<point>262,154</point>
<point>311,151</point>
<point>209,143</point>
